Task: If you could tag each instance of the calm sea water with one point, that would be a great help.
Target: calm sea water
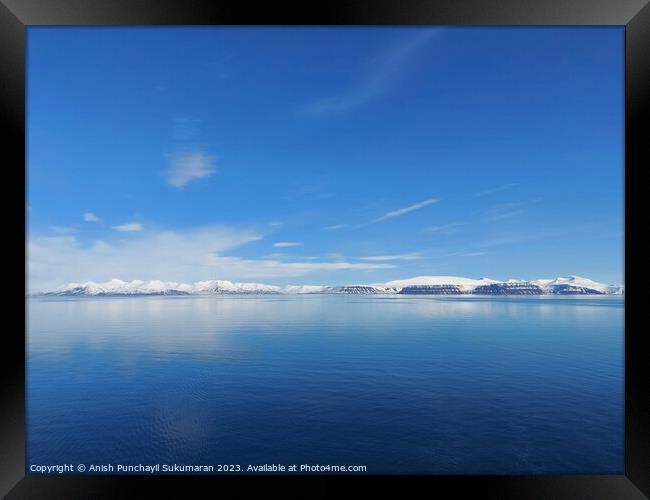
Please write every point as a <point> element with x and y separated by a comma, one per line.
<point>399,384</point>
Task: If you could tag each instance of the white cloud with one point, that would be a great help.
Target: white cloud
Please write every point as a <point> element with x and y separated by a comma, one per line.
<point>171,256</point>
<point>165,255</point>
<point>405,210</point>
<point>465,254</point>
<point>507,215</point>
<point>381,72</point>
<point>497,189</point>
<point>334,227</point>
<point>287,244</point>
<point>188,166</point>
<point>90,217</point>
<point>445,227</point>
<point>505,211</point>
<point>131,227</point>
<point>509,210</point>
<point>402,256</point>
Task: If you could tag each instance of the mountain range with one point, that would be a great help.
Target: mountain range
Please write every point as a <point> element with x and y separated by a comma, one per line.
<point>421,285</point>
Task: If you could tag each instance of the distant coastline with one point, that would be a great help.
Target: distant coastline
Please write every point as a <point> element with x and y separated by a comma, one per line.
<point>421,285</point>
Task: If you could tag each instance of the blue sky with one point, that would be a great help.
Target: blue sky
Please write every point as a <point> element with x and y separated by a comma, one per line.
<point>324,155</point>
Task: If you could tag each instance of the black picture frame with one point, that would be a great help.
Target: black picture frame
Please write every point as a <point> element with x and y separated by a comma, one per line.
<point>634,15</point>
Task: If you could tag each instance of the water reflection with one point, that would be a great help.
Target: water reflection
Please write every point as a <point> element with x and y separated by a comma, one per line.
<point>410,384</point>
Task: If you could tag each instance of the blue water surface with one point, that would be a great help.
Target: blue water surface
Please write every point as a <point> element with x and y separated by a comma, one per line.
<point>400,384</point>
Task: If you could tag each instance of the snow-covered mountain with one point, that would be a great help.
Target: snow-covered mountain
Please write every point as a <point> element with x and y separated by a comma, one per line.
<point>421,285</point>
<point>576,282</point>
<point>453,285</point>
<point>156,287</point>
<point>465,285</point>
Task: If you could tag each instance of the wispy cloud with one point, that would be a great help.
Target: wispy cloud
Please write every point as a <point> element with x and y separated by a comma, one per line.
<point>444,228</point>
<point>497,189</point>
<point>406,210</point>
<point>130,227</point>
<point>179,256</point>
<point>576,232</point>
<point>287,244</point>
<point>380,74</point>
<point>186,167</point>
<point>507,210</point>
<point>334,227</point>
<point>90,217</point>
<point>465,254</point>
<point>473,254</point>
<point>507,215</point>
<point>317,187</point>
<point>187,256</point>
<point>402,256</point>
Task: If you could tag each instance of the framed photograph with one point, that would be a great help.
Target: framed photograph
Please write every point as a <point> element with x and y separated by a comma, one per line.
<point>363,240</point>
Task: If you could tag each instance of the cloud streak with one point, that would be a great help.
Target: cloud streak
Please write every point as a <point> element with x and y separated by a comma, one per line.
<point>581,232</point>
<point>497,189</point>
<point>402,256</point>
<point>507,215</point>
<point>406,210</point>
<point>444,228</point>
<point>287,244</point>
<point>381,72</point>
<point>508,210</point>
<point>465,254</point>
